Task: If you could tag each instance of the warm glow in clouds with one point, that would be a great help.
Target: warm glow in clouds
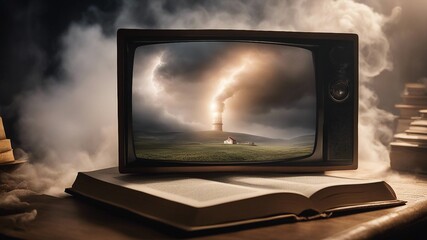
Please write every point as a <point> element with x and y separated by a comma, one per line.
<point>226,82</point>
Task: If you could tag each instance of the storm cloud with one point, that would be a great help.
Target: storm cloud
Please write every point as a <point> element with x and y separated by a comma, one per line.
<point>186,78</point>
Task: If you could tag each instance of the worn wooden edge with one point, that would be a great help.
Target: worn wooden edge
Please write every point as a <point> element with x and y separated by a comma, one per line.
<point>386,225</point>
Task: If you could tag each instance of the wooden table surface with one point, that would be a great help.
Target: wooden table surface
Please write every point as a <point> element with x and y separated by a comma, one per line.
<point>76,218</point>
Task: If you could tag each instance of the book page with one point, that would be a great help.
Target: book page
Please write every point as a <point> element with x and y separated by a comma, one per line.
<point>213,189</point>
<point>305,185</point>
<point>196,192</point>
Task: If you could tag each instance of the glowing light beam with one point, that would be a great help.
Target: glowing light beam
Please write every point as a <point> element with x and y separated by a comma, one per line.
<point>225,90</point>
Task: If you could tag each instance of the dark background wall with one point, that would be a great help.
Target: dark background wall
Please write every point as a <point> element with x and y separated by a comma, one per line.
<point>31,33</point>
<point>31,41</point>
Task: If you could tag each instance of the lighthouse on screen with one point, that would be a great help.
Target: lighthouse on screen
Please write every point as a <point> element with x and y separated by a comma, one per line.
<point>217,108</point>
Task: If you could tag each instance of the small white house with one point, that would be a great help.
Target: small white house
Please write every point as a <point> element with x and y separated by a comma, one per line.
<point>230,140</point>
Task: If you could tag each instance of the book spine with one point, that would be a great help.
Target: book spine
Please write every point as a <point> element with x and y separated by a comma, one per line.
<point>2,133</point>
<point>5,145</point>
<point>7,157</point>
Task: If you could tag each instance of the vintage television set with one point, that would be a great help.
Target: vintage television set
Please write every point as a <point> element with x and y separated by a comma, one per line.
<point>236,101</point>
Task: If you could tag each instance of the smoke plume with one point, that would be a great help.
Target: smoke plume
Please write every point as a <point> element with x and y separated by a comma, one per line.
<point>69,124</point>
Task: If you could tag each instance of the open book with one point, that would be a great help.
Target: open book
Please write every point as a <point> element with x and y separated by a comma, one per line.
<point>196,202</point>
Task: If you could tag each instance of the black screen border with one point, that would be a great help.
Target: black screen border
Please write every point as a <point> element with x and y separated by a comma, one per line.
<point>324,156</point>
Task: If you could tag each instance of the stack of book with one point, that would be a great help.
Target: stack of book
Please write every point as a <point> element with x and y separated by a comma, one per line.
<point>408,151</point>
<point>6,151</point>
<point>414,99</point>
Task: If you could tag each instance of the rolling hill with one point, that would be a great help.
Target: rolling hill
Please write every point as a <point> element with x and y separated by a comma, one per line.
<point>217,137</point>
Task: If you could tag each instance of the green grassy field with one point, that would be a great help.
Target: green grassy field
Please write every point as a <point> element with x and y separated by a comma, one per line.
<point>218,152</point>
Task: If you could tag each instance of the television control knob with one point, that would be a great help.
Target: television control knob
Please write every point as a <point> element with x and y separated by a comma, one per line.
<point>339,91</point>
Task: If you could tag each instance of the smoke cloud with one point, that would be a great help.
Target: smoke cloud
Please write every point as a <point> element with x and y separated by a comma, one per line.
<point>69,124</point>
<point>261,83</point>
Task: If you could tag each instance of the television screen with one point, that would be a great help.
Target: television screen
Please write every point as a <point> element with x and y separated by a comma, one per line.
<point>225,102</point>
<point>232,100</point>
